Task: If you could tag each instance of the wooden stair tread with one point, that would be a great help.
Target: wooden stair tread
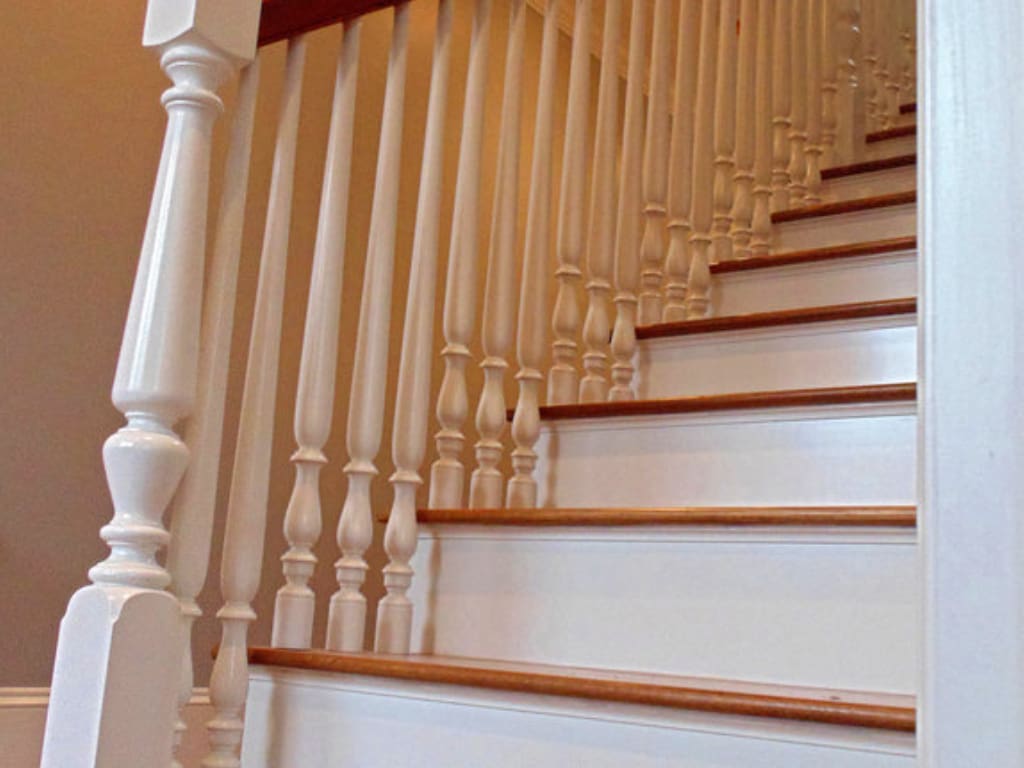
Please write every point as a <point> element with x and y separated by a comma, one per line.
<point>869,166</point>
<point>908,109</point>
<point>896,132</point>
<point>821,516</point>
<point>787,398</point>
<point>845,206</point>
<point>848,708</point>
<point>783,317</point>
<point>792,258</point>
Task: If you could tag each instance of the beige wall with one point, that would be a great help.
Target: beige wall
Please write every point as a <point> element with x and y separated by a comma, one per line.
<point>80,127</point>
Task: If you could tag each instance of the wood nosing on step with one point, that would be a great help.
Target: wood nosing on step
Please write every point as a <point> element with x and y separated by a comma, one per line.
<point>783,317</point>
<point>845,206</point>
<point>776,702</point>
<point>869,166</point>
<point>834,516</point>
<point>792,258</point>
<point>896,132</point>
<point>909,108</point>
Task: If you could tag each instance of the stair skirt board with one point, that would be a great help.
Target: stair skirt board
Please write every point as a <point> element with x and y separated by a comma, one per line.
<point>298,718</point>
<point>844,226</point>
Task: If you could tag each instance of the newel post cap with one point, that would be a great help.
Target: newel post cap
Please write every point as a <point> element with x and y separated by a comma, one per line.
<point>230,26</point>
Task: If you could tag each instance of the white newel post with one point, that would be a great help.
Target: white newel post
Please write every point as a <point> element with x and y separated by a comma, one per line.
<point>446,473</point>
<point>782,89</point>
<point>563,378</point>
<point>680,178</point>
<point>346,621</point>
<point>412,400</point>
<point>627,227</point>
<point>761,226</point>
<point>655,166</point>
<point>521,491</point>
<point>121,638</point>
<point>746,132</point>
<point>242,557</point>
<point>192,511</point>
<point>601,227</point>
<point>850,93</point>
<point>486,486</point>
<point>725,132</point>
<point>813,149</point>
<point>314,400</point>
<point>798,103</point>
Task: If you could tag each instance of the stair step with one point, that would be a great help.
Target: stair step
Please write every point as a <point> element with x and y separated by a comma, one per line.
<point>870,178</point>
<point>898,140</point>
<point>869,166</point>
<point>878,217</point>
<point>845,206</point>
<point>908,109</point>
<point>896,132</point>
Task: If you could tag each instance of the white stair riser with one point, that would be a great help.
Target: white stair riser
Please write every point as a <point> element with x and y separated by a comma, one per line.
<point>907,118</point>
<point>781,610</point>
<point>780,456</point>
<point>845,353</point>
<point>839,281</point>
<point>310,720</point>
<point>860,185</point>
<point>843,229</point>
<point>903,145</point>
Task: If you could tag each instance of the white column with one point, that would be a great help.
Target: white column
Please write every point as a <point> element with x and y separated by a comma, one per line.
<point>655,166</point>
<point>242,558</point>
<point>698,290</point>
<point>814,149</point>
<point>346,619</point>
<point>601,228</point>
<point>563,377</point>
<point>761,234</point>
<point>725,132</point>
<point>121,637</point>
<point>446,474</point>
<point>798,103</point>
<point>486,486</point>
<point>314,400</point>
<point>627,228</point>
<point>681,163</point>
<point>412,401</point>
<point>522,486</point>
<point>850,94</point>
<point>192,510</point>
<point>782,89</point>
<point>746,132</point>
<point>829,81</point>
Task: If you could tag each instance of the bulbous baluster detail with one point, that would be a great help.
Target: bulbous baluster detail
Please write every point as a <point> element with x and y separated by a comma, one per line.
<point>725,133</point>
<point>798,104</point>
<point>761,222</point>
<point>781,105</point>
<point>746,125</point>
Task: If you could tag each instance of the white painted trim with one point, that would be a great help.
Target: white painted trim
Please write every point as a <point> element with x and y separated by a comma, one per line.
<point>971,191</point>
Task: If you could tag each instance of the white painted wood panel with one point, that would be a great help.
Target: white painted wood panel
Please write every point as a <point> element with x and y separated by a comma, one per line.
<point>869,184</point>
<point>891,147</point>
<point>845,228</point>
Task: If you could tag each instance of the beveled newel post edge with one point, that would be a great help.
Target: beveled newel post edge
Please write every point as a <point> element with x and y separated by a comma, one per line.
<point>120,640</point>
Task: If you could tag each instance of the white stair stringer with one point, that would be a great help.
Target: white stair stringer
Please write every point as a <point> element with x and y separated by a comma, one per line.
<point>305,719</point>
<point>845,227</point>
<point>859,185</point>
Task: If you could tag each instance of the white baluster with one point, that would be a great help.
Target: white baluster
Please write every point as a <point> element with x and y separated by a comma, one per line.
<point>655,166</point>
<point>829,81</point>
<point>314,400</point>
<point>813,149</point>
<point>486,484</point>
<point>891,50</point>
<point>412,401</point>
<point>681,163</point>
<point>627,228</point>
<point>563,377</point>
<point>909,40</point>
<point>242,558</point>
<point>761,235</point>
<point>698,287</point>
<point>522,487</point>
<point>601,228</point>
<point>192,510</point>
<point>746,124</point>
<point>798,104</point>
<point>873,83</point>
<point>121,639</point>
<point>725,133</point>
<point>446,474</point>
<point>346,619</point>
<point>851,104</point>
<point>782,88</point>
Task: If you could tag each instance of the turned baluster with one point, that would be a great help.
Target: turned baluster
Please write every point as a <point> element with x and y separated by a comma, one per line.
<point>346,620</point>
<point>829,81</point>
<point>314,400</point>
<point>412,401</point>
<point>725,133</point>
<point>522,486</point>
<point>761,226</point>
<point>655,166</point>
<point>746,127</point>
<point>909,41</point>
<point>242,558</point>
<point>563,377</point>
<point>446,474</point>
<point>891,52</point>
<point>486,484</point>
<point>601,227</point>
<point>850,98</point>
<point>680,180</point>
<point>627,228</point>
<point>873,83</point>
<point>192,511</point>
<point>813,148</point>
<point>798,104</point>
<point>698,290</point>
<point>782,87</point>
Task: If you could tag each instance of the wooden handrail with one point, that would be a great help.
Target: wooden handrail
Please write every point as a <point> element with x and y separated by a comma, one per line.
<point>281,19</point>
